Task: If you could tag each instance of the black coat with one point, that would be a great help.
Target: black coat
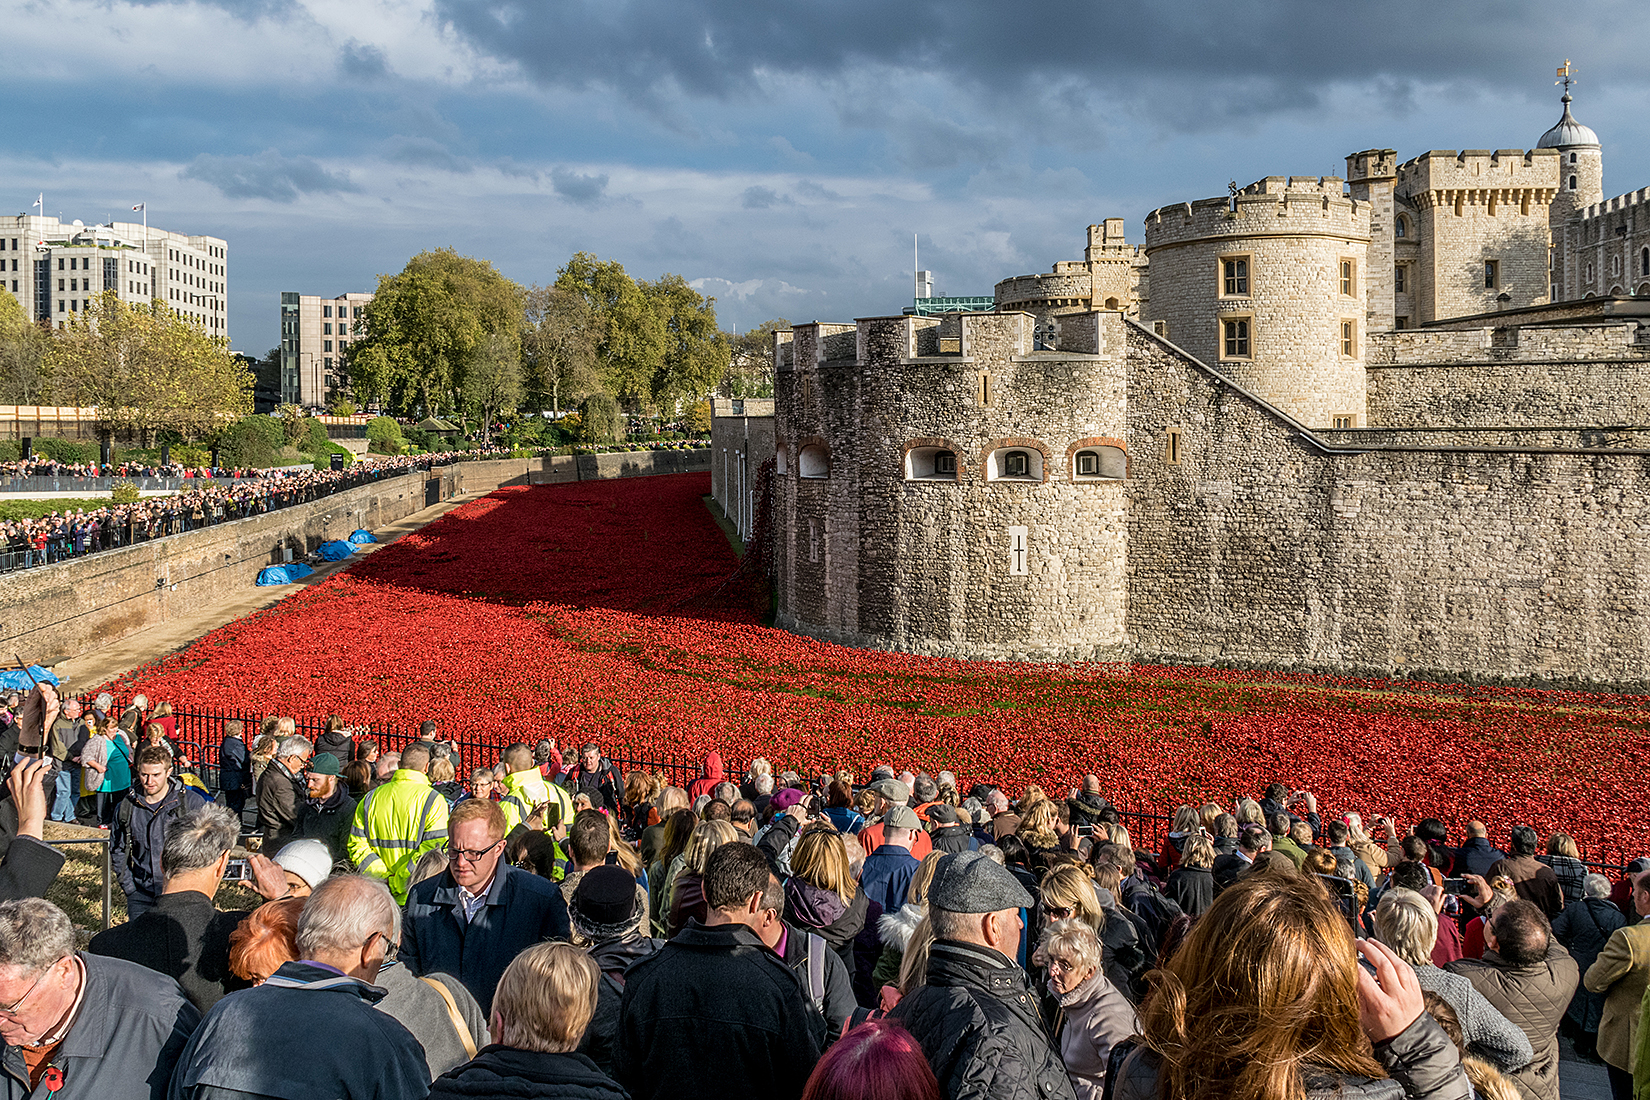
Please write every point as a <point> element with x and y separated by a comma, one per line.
<point>614,958</point>
<point>234,765</point>
<point>1477,856</point>
<point>280,800</point>
<point>139,833</point>
<point>329,823</point>
<point>713,1014</point>
<point>498,1071</point>
<point>183,937</point>
<point>1228,868</point>
<point>521,910</point>
<point>1191,889</point>
<point>836,995</point>
<point>978,1025</point>
<point>954,838</point>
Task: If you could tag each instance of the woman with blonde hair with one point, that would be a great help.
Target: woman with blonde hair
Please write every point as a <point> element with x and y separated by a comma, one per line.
<point>1039,832</point>
<point>1093,1015</point>
<point>686,889</point>
<point>1265,1000</point>
<point>1187,823</point>
<point>543,1005</point>
<point>1192,884</point>
<point>821,895</point>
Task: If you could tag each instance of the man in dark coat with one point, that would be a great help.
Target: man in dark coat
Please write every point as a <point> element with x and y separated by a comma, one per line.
<point>82,1027</point>
<point>595,775</point>
<point>480,913</point>
<point>281,792</point>
<point>234,767</point>
<point>976,1017</point>
<point>1252,841</point>
<point>715,1012</point>
<point>1477,855</point>
<point>1533,880</point>
<point>947,832</point>
<point>183,936</point>
<point>347,926</point>
<point>604,911</point>
<point>153,805</point>
<point>1086,806</point>
<point>328,811</point>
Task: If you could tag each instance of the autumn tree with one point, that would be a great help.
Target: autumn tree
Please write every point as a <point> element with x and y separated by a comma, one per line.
<point>750,370</point>
<point>23,376</point>
<point>630,335</point>
<point>425,327</point>
<point>144,368</point>
<point>492,381</point>
<point>696,350</point>
<point>558,345</point>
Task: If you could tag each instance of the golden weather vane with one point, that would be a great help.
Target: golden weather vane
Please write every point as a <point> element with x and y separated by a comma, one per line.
<point>1566,75</point>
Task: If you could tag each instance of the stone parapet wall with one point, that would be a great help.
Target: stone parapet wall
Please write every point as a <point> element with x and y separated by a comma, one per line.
<point>1510,393</point>
<point>1628,341</point>
<point>1523,439</point>
<point>563,468</point>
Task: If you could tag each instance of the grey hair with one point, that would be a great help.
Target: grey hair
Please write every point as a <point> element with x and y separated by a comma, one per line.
<point>760,766</point>
<point>994,854</point>
<point>1073,941</point>
<point>294,745</point>
<point>925,789</point>
<point>343,913</point>
<point>763,783</point>
<point>141,702</point>
<point>1595,885</point>
<point>199,840</point>
<point>481,773</point>
<point>1407,923</point>
<point>950,925</point>
<point>34,933</point>
<point>727,792</point>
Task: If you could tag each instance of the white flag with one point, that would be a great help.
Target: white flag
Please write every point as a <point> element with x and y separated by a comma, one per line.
<point>141,206</point>
<point>41,202</point>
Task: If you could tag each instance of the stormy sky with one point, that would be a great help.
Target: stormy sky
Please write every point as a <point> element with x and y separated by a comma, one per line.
<point>778,156</point>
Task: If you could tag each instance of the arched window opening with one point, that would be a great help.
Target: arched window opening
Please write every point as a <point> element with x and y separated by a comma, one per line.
<point>1100,464</point>
<point>1401,229</point>
<point>930,464</point>
<point>1015,464</point>
<point>813,461</point>
<point>781,461</point>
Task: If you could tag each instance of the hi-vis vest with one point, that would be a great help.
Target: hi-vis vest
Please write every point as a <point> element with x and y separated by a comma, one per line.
<point>395,824</point>
<point>525,790</point>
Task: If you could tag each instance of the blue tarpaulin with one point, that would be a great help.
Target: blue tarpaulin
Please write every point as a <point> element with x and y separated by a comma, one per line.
<point>361,534</point>
<point>284,574</point>
<point>336,550</point>
<point>13,679</point>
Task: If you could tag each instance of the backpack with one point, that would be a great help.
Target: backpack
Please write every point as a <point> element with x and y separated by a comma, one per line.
<point>815,975</point>
<point>1156,911</point>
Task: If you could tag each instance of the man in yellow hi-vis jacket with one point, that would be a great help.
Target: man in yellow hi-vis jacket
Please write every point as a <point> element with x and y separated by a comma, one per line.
<point>526,789</point>
<point>397,822</point>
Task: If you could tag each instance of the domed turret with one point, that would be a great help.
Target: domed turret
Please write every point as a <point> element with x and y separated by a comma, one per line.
<point>1567,132</point>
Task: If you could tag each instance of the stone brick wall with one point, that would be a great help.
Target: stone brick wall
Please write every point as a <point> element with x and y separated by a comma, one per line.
<point>1605,247</point>
<point>1523,439</point>
<point>1295,233</point>
<point>740,443</point>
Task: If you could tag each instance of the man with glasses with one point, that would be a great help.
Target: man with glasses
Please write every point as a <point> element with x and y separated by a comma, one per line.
<point>281,791</point>
<point>479,914</point>
<point>348,927</point>
<point>82,1027</point>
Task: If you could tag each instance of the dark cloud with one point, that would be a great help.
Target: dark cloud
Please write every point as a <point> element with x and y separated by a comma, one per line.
<point>423,152</point>
<point>760,198</point>
<point>362,61</point>
<point>268,175</point>
<point>578,188</point>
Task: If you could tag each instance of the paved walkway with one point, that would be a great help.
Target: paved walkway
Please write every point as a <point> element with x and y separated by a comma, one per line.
<point>1578,1079</point>
<point>88,670</point>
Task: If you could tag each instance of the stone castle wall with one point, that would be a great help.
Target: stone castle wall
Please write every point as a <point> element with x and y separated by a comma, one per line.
<point>1607,245</point>
<point>1295,233</point>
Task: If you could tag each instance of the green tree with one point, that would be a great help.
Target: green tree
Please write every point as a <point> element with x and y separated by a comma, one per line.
<point>24,379</point>
<point>145,368</point>
<point>492,382</point>
<point>558,345</point>
<point>251,441</point>
<point>600,420</point>
<point>630,334</point>
<point>424,327</point>
<point>696,351</point>
<point>384,436</point>
<point>294,425</point>
<point>750,370</point>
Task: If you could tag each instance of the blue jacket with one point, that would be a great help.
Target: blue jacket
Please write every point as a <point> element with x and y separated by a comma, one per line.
<point>887,876</point>
<point>341,1046</point>
<point>234,765</point>
<point>521,910</point>
<point>133,1023</point>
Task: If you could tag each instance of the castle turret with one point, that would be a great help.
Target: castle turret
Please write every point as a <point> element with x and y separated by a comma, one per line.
<point>1268,286</point>
<point>1369,176</point>
<point>1580,185</point>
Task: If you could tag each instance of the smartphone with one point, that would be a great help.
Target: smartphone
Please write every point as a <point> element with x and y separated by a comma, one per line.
<point>1456,886</point>
<point>238,871</point>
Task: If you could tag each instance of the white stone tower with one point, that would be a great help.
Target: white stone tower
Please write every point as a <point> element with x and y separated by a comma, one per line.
<point>1580,183</point>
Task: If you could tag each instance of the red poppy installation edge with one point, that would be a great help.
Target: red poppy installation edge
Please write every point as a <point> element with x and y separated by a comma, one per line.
<point>598,609</point>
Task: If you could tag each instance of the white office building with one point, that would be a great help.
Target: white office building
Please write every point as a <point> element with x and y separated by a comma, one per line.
<point>315,332</point>
<point>53,268</point>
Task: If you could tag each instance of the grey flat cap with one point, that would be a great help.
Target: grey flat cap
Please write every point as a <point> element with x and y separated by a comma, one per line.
<point>901,816</point>
<point>893,790</point>
<point>968,882</point>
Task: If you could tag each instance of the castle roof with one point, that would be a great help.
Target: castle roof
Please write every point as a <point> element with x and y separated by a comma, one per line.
<point>1567,132</point>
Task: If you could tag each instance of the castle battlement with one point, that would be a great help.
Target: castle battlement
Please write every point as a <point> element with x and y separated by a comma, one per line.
<point>1371,164</point>
<point>1615,205</point>
<point>1274,206</point>
<point>1477,170</point>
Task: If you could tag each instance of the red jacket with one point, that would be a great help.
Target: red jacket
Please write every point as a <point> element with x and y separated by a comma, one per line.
<point>706,784</point>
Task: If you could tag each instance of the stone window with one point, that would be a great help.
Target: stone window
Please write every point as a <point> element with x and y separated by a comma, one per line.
<point>1400,229</point>
<point>1400,322</point>
<point>930,464</point>
<point>1014,464</point>
<point>1348,288</point>
<point>1400,283</point>
<point>1349,339</point>
<point>1344,420</point>
<point>1572,183</point>
<point>1161,328</point>
<point>987,392</point>
<point>1615,265</point>
<point>1235,338</point>
<point>1492,274</point>
<point>813,461</point>
<point>1173,450</point>
<point>781,462</point>
<point>1099,464</point>
<point>1644,261</point>
<point>1234,276</point>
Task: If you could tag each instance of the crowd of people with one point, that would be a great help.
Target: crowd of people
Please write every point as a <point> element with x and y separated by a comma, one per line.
<point>542,924</point>
<point>234,494</point>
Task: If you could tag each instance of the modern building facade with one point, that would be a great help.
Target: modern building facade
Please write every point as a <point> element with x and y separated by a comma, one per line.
<point>315,333</point>
<point>54,268</point>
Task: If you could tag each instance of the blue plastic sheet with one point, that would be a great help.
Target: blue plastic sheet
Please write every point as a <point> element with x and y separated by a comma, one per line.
<point>284,574</point>
<point>13,679</point>
<point>336,550</point>
<point>362,535</point>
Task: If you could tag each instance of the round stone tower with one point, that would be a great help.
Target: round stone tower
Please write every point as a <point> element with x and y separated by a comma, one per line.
<point>1580,185</point>
<point>1268,286</point>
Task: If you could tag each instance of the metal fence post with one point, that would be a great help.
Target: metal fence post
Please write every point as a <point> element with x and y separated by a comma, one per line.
<point>108,883</point>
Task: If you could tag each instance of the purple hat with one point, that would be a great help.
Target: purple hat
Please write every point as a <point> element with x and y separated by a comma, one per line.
<point>785,799</point>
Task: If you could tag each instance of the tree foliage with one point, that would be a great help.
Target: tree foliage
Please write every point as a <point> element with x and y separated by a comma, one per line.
<point>146,368</point>
<point>24,379</point>
<point>696,350</point>
<point>558,345</point>
<point>630,335</point>
<point>492,381</point>
<point>750,371</point>
<point>384,436</point>
<point>425,326</point>
<point>600,420</point>
<point>251,441</point>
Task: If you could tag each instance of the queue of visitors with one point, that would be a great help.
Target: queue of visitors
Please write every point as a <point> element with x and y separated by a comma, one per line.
<point>547,926</point>
<point>233,494</point>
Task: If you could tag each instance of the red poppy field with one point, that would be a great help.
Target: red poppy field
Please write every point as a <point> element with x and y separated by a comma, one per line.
<point>599,610</point>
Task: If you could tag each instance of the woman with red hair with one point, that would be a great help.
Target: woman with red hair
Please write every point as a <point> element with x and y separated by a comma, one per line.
<point>875,1061</point>
<point>267,938</point>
